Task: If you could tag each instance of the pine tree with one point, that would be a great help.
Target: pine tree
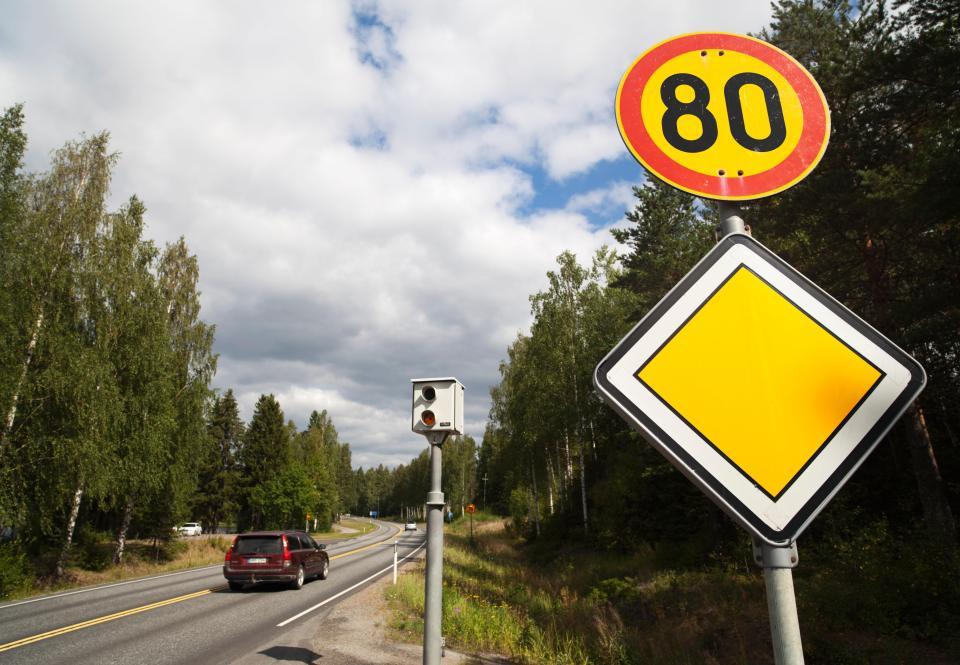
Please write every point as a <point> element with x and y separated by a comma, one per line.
<point>266,453</point>
<point>216,499</point>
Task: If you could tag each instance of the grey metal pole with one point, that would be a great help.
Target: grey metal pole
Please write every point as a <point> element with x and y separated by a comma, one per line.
<point>778,564</point>
<point>730,219</point>
<point>433,584</point>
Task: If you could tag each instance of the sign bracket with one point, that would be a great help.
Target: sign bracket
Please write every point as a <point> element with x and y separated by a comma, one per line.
<point>731,220</point>
<point>766,555</point>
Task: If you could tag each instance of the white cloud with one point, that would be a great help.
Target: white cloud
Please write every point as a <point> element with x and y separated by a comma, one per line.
<point>615,195</point>
<point>351,176</point>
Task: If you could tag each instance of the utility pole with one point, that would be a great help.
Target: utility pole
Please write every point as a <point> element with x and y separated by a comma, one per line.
<point>484,491</point>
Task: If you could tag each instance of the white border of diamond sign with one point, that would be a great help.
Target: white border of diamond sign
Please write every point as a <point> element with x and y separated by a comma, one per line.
<point>780,520</point>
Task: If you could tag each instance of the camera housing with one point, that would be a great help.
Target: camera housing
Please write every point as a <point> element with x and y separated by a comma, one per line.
<point>437,405</point>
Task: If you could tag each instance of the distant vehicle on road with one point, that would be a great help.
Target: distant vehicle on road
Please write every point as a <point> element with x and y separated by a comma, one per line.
<point>410,526</point>
<point>274,556</point>
<point>190,529</point>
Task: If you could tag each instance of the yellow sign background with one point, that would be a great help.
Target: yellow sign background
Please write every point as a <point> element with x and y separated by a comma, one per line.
<point>725,154</point>
<point>771,410</point>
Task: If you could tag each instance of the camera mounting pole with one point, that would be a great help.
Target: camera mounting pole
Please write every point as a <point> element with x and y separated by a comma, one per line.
<point>437,412</point>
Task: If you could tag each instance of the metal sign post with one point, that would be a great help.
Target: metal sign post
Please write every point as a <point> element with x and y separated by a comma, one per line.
<point>433,589</point>
<point>777,562</point>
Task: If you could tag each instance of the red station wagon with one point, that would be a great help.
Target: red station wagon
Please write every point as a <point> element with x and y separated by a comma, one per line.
<point>274,556</point>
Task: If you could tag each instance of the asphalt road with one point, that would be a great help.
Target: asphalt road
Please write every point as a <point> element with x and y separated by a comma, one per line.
<point>190,616</point>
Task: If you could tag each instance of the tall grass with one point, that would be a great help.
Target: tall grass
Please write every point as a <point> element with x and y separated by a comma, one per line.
<point>562,602</point>
<point>141,559</point>
<point>583,607</point>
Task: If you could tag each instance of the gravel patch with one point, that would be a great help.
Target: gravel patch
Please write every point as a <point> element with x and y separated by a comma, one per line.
<point>355,633</point>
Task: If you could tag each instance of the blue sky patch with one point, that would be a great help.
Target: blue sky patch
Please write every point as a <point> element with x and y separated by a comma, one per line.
<point>550,194</point>
<point>376,41</point>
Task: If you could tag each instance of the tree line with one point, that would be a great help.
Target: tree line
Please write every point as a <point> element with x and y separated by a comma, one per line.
<point>876,225</point>
<point>109,422</point>
<point>105,363</point>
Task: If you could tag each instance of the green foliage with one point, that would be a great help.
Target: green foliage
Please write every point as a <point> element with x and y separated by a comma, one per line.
<point>520,509</point>
<point>16,573</point>
<point>904,587</point>
<point>105,365</point>
<point>93,549</point>
<point>459,473</point>
<point>265,455</point>
<point>283,501</point>
<point>318,451</point>
<point>547,430</point>
<point>171,549</point>
<point>667,234</point>
<point>215,500</point>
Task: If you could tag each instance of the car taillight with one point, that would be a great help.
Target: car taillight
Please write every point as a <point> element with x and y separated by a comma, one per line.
<point>226,558</point>
<point>287,555</point>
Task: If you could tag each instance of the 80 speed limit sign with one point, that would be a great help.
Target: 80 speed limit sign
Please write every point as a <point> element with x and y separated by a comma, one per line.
<point>723,116</point>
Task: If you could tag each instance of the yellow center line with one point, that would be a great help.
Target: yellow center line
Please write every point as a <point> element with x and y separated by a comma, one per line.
<point>104,619</point>
<point>359,549</point>
<point>136,610</point>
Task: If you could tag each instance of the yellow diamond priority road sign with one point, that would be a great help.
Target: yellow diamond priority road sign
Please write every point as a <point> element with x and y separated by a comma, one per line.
<point>760,387</point>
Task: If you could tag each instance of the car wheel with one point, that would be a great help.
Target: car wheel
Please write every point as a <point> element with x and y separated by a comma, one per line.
<point>298,582</point>
<point>325,570</point>
<point>235,586</point>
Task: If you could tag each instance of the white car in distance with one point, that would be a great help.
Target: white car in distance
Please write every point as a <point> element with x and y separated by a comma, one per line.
<point>410,526</point>
<point>190,529</point>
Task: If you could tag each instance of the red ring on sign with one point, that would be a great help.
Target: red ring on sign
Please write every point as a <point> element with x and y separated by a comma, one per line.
<point>805,156</point>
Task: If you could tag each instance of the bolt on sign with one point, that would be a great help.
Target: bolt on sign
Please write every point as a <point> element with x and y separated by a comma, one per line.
<point>723,116</point>
<point>762,389</point>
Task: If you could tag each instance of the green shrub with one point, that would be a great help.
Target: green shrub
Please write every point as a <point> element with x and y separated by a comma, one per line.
<point>899,586</point>
<point>93,550</point>
<point>16,573</point>
<point>172,548</point>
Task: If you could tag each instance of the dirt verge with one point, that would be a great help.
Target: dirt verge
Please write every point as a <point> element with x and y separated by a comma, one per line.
<point>355,633</point>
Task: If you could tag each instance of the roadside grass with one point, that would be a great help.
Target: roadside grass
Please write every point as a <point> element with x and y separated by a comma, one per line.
<point>141,559</point>
<point>568,603</point>
<point>581,607</point>
<point>91,562</point>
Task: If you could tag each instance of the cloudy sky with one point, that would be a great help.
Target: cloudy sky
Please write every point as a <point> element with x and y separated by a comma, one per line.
<point>373,189</point>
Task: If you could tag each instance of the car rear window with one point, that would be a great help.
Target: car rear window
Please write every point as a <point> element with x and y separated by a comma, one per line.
<point>259,545</point>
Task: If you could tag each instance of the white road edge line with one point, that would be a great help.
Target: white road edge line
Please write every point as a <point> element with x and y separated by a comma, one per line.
<point>108,586</point>
<point>334,597</point>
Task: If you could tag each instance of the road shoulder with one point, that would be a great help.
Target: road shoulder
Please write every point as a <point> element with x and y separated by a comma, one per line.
<point>355,633</point>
